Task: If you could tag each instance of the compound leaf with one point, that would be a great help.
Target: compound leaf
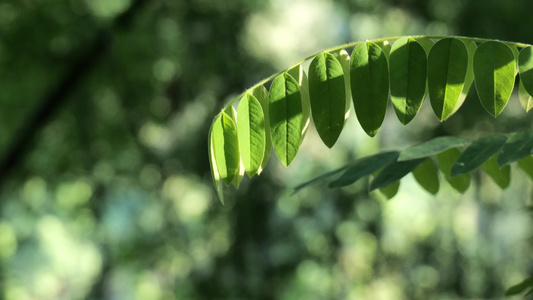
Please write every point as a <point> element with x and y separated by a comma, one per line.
<point>364,167</point>
<point>394,172</point>
<point>432,147</point>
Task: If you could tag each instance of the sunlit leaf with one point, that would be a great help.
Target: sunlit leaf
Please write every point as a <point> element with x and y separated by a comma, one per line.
<point>408,70</point>
<point>432,147</point>
<point>327,95</point>
<point>469,79</point>
<point>391,190</point>
<point>518,146</point>
<point>520,288</point>
<point>285,109</point>
<point>344,58</point>
<point>230,111</point>
<point>299,75</point>
<point>217,180</point>
<point>446,159</point>
<point>526,164</point>
<point>225,146</point>
<point>426,43</point>
<point>525,67</point>
<point>261,94</point>
<point>426,174</point>
<point>394,172</point>
<point>369,79</point>
<point>447,68</point>
<point>251,133</point>
<point>477,153</point>
<point>364,167</point>
<point>494,75</point>
<point>526,100</point>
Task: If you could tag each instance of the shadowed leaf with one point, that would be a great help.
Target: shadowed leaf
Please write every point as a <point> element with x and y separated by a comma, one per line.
<point>477,153</point>
<point>432,147</point>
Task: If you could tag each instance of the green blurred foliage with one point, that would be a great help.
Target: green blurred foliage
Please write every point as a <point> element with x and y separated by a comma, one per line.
<point>111,195</point>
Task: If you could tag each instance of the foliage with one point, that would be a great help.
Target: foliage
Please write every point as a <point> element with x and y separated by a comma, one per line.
<point>443,67</point>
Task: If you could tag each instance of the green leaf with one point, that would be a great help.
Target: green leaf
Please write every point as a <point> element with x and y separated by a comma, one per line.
<point>369,80</point>
<point>364,167</point>
<point>502,177</point>
<point>391,190</point>
<point>408,71</point>
<point>469,79</point>
<point>494,73</point>
<point>299,75</point>
<point>251,133</point>
<point>477,153</point>
<point>525,67</point>
<point>432,147</point>
<point>230,111</point>
<point>446,159</point>
<point>447,68</point>
<point>526,100</point>
<point>394,172</point>
<point>344,58</point>
<point>426,43</point>
<point>426,174</point>
<point>518,146</point>
<point>521,287</point>
<point>217,180</point>
<point>261,94</point>
<point>285,108</point>
<point>225,146</point>
<point>327,95</point>
<point>526,164</point>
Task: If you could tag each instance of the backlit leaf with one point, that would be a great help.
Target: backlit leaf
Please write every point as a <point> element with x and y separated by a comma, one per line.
<point>364,167</point>
<point>502,177</point>
<point>526,100</point>
<point>327,95</point>
<point>251,133</point>
<point>344,58</point>
<point>230,111</point>
<point>225,146</point>
<point>477,153</point>
<point>394,172</point>
<point>299,75</point>
<point>261,94</point>
<point>217,180</point>
<point>426,174</point>
<point>518,146</point>
<point>526,164</point>
<point>370,85</point>
<point>494,73</point>
<point>525,67</point>
<point>469,79</point>
<point>285,109</point>
<point>391,190</point>
<point>446,159</point>
<point>447,68</point>
<point>432,147</point>
<point>408,70</point>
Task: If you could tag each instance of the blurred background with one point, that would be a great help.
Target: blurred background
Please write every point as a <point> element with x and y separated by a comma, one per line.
<point>105,188</point>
